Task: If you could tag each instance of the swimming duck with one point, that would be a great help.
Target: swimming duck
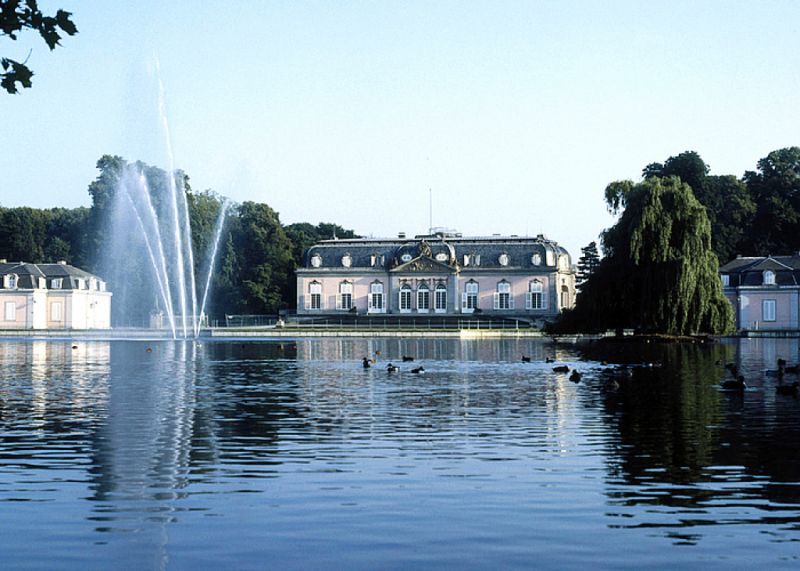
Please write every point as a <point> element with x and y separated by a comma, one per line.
<point>549,360</point>
<point>526,359</point>
<point>148,350</point>
<point>407,359</point>
<point>366,363</point>
<point>561,369</point>
<point>737,385</point>
<point>575,377</point>
<point>392,368</point>
<point>74,346</point>
<point>419,370</point>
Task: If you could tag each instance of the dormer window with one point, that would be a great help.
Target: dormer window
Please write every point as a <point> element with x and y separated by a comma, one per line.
<point>536,259</point>
<point>316,260</point>
<point>503,259</point>
<point>347,260</point>
<point>56,283</point>
<point>726,280</point>
<point>405,258</point>
<point>10,281</point>
<point>441,257</point>
<point>769,277</point>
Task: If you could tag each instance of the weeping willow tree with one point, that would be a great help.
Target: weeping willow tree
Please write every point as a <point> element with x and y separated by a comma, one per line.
<point>660,273</point>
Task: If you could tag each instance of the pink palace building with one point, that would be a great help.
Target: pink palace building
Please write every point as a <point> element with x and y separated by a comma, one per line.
<point>441,273</point>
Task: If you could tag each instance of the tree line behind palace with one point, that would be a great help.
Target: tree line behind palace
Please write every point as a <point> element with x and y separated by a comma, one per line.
<point>756,214</point>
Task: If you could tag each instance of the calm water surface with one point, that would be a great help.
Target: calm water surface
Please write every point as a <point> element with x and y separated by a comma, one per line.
<point>262,455</point>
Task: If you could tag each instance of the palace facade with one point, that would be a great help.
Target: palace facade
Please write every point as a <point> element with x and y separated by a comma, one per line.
<point>52,296</point>
<point>442,273</point>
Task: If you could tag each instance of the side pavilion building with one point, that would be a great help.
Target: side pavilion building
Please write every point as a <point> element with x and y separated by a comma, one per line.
<point>443,273</point>
<point>52,296</point>
<point>764,292</point>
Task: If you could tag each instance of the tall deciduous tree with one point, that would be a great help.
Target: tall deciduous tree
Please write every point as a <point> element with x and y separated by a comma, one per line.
<point>266,258</point>
<point>18,15</point>
<point>660,273</point>
<point>727,201</point>
<point>775,187</point>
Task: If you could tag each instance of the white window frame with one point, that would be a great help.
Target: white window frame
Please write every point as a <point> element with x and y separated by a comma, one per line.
<point>10,311</point>
<point>404,299</point>
<point>768,310</point>
<point>726,280</point>
<point>345,296</point>
<point>56,283</point>
<point>375,300</point>
<point>315,296</point>
<point>503,296</point>
<point>11,281</point>
<point>423,299</point>
<point>440,298</point>
<point>469,299</point>
<point>769,277</point>
<point>56,311</point>
<point>535,298</point>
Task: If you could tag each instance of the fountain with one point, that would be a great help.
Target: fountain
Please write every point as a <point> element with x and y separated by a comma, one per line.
<point>151,259</point>
<point>149,255</point>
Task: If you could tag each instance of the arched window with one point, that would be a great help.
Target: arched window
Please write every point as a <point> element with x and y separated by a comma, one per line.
<point>469,299</point>
<point>423,298</point>
<point>345,296</point>
<point>440,295</point>
<point>376,297</point>
<point>502,297</point>
<point>565,297</point>
<point>535,295</point>
<point>769,277</point>
<point>11,281</point>
<point>405,298</point>
<point>315,295</point>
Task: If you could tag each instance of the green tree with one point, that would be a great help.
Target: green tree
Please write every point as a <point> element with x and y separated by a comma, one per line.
<point>727,201</point>
<point>265,255</point>
<point>15,16</point>
<point>588,262</point>
<point>660,273</point>
<point>775,188</point>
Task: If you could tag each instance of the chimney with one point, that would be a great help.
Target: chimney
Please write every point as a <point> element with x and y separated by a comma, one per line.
<point>401,235</point>
<point>62,262</point>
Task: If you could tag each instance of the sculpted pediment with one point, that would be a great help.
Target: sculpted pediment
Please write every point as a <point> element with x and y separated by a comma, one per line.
<point>424,264</point>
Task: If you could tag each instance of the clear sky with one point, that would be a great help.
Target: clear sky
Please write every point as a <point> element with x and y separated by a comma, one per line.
<point>515,114</point>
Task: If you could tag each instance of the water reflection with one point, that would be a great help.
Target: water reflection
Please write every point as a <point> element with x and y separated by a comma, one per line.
<point>147,450</point>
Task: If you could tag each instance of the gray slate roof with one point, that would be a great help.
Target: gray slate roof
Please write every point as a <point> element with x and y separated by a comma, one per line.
<point>749,271</point>
<point>390,253</point>
<point>28,274</point>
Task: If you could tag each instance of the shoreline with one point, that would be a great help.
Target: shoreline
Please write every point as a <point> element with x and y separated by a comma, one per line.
<point>269,333</point>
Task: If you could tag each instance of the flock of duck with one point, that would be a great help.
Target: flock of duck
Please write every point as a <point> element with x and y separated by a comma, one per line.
<point>738,383</point>
<point>574,375</point>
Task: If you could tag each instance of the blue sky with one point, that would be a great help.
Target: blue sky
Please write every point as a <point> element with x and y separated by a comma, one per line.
<point>515,114</point>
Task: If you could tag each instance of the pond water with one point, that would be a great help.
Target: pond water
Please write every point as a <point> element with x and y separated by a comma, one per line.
<point>290,455</point>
